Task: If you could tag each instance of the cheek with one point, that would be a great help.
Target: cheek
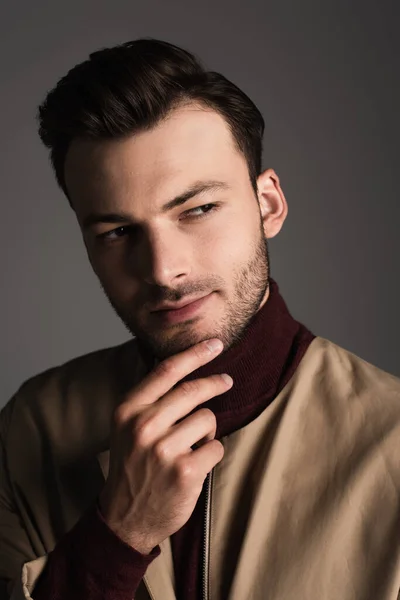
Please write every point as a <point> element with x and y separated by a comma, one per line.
<point>98,264</point>
<point>232,247</point>
<point>110,268</point>
<point>223,261</point>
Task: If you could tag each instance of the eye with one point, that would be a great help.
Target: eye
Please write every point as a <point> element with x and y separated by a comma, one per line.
<point>197,213</point>
<point>114,234</point>
<point>205,208</point>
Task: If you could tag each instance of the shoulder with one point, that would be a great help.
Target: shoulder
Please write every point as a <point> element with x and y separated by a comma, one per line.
<point>343,372</point>
<point>84,389</point>
<point>350,403</point>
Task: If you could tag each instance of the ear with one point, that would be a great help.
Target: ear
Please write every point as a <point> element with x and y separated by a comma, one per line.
<point>273,205</point>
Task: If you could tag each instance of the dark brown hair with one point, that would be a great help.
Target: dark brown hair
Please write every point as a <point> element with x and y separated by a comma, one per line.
<point>133,86</point>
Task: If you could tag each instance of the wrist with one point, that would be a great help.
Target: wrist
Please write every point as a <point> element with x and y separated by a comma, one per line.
<point>137,541</point>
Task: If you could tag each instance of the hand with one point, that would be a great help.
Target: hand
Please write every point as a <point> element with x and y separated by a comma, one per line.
<point>155,476</point>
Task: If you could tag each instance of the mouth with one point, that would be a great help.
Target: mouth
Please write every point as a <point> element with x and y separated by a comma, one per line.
<point>175,305</point>
<point>183,312</point>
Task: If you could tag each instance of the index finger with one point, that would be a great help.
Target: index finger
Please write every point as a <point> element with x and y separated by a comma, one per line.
<point>174,368</point>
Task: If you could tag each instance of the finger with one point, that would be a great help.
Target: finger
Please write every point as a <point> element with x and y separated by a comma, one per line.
<point>152,423</point>
<point>204,459</point>
<point>167,374</point>
<point>183,399</point>
<point>179,440</point>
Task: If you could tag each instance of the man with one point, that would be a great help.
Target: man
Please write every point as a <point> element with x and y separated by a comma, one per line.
<point>225,451</point>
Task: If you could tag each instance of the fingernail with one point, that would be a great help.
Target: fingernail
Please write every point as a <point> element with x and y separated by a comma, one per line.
<point>214,345</point>
<point>227,378</point>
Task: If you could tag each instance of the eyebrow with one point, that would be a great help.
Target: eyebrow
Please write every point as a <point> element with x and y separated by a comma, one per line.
<point>195,189</point>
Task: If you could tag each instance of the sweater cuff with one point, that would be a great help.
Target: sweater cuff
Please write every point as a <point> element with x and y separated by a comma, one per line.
<point>103,561</point>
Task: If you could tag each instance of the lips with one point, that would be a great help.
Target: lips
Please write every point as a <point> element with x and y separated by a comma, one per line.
<point>177,305</point>
<point>191,310</point>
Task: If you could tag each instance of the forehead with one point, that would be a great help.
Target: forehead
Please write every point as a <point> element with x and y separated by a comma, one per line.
<point>191,143</point>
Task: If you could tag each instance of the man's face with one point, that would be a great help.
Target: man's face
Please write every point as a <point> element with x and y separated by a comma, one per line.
<point>213,245</point>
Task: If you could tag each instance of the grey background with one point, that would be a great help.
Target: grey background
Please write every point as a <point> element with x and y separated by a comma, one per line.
<point>326,77</point>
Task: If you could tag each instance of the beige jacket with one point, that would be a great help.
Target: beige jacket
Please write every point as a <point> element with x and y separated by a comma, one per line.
<point>305,504</point>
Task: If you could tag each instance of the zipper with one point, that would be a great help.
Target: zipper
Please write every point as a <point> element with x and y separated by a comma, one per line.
<point>150,593</point>
<point>206,546</point>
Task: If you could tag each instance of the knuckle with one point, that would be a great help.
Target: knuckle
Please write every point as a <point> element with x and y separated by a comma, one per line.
<point>166,367</point>
<point>219,445</point>
<point>201,351</point>
<point>219,448</point>
<point>162,451</point>
<point>142,431</point>
<point>189,388</point>
<point>208,416</point>
<point>184,471</point>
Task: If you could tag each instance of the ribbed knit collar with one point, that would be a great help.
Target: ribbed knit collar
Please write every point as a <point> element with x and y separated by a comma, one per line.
<point>260,364</point>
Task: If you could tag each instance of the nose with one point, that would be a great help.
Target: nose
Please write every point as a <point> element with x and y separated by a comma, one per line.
<point>164,258</point>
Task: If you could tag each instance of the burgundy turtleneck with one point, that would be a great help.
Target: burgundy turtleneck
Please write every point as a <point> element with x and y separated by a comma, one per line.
<point>260,366</point>
<point>261,363</point>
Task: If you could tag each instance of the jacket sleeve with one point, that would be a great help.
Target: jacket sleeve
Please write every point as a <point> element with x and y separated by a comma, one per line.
<point>88,562</point>
<point>92,562</point>
<point>15,546</point>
